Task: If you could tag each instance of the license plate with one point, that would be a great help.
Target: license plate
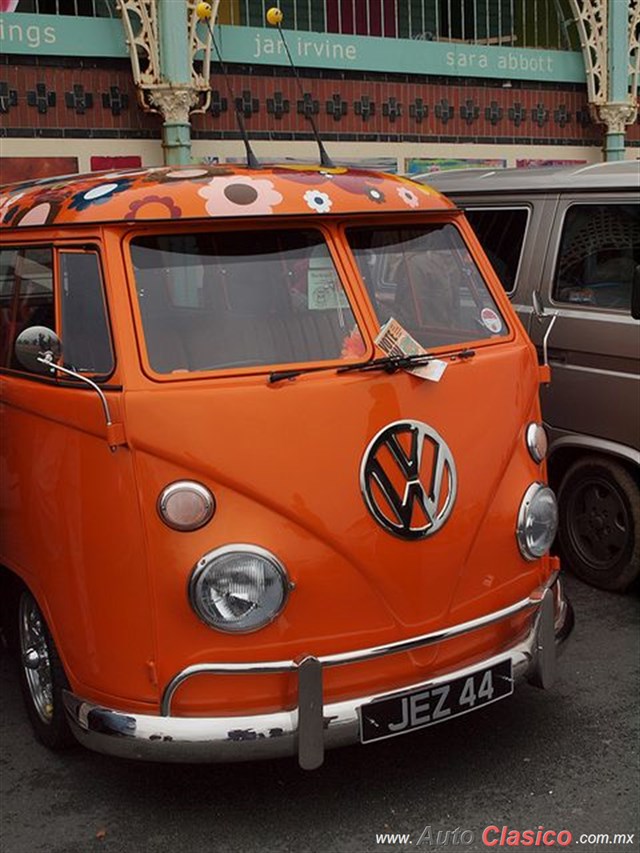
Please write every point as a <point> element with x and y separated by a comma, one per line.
<point>427,706</point>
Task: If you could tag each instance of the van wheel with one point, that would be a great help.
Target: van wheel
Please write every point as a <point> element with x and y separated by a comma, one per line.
<point>42,677</point>
<point>599,530</point>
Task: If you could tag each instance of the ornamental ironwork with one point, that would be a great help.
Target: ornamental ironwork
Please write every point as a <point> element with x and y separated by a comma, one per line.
<point>591,18</point>
<point>155,93</point>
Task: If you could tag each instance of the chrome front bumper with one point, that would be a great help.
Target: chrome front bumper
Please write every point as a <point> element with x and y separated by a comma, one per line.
<point>312,727</point>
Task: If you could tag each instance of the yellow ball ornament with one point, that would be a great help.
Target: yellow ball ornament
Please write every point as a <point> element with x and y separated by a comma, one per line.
<point>274,16</point>
<point>204,11</point>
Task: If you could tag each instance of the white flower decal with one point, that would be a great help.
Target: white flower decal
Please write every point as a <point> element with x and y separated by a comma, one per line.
<point>318,201</point>
<point>238,194</point>
<point>408,197</point>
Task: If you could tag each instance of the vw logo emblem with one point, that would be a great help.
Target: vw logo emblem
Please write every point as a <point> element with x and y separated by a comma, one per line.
<point>408,479</point>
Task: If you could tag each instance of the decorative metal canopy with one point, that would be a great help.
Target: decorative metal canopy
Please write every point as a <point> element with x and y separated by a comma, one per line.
<point>609,104</point>
<point>175,99</point>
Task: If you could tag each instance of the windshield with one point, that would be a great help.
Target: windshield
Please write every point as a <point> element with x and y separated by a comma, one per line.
<point>210,301</point>
<point>425,278</point>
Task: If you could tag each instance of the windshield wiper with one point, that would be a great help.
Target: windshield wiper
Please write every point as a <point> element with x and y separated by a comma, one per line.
<point>390,363</point>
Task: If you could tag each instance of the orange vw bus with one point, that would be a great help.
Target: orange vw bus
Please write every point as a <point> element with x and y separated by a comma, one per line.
<point>273,469</point>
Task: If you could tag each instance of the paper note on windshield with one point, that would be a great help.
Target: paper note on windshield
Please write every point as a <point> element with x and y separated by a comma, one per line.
<point>395,340</point>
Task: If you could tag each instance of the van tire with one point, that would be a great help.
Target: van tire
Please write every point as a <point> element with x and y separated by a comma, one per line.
<point>599,530</point>
<point>43,681</point>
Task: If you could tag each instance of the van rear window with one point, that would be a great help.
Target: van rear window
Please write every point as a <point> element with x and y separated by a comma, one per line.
<point>210,301</point>
<point>425,278</point>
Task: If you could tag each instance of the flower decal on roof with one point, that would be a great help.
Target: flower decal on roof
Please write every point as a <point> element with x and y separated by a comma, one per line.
<point>99,194</point>
<point>318,201</point>
<point>240,195</point>
<point>199,174</point>
<point>7,202</point>
<point>408,196</point>
<point>154,207</point>
<point>375,195</point>
<point>38,215</point>
<point>357,183</point>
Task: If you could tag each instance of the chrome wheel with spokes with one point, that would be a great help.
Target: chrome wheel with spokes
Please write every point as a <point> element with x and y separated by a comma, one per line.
<point>42,677</point>
<point>35,657</point>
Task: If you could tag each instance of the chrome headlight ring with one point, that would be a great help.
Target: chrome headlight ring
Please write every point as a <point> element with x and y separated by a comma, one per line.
<point>537,521</point>
<point>537,442</point>
<point>238,588</point>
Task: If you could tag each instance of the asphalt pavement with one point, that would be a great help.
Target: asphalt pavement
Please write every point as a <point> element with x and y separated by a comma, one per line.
<point>561,761</point>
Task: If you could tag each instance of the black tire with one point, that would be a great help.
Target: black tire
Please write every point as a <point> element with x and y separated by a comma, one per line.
<point>599,530</point>
<point>42,678</point>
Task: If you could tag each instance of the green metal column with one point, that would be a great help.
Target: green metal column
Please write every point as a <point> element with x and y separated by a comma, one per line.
<point>617,71</point>
<point>175,67</point>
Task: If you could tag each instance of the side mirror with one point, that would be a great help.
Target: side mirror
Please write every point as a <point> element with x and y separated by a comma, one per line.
<point>37,349</point>
<point>635,293</point>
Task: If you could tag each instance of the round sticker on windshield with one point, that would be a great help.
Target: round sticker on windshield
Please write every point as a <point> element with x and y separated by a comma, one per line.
<point>491,320</point>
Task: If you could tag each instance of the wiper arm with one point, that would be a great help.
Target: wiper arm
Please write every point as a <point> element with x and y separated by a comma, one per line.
<point>280,375</point>
<point>390,363</point>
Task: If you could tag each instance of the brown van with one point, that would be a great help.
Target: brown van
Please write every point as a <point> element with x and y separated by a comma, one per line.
<point>572,235</point>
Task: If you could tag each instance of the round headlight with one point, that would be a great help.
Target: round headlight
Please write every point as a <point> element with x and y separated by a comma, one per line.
<point>186,505</point>
<point>238,588</point>
<point>537,521</point>
<point>537,442</point>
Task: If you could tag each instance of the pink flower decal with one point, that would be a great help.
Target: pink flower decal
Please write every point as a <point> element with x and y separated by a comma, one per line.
<point>157,207</point>
<point>240,195</point>
<point>37,215</point>
<point>408,196</point>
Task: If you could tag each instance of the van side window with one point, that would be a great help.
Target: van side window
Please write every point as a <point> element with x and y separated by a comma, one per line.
<point>599,252</point>
<point>86,343</point>
<point>501,232</point>
<point>26,296</point>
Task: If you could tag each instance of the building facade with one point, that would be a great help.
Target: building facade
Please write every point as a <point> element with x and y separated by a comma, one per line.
<point>405,85</point>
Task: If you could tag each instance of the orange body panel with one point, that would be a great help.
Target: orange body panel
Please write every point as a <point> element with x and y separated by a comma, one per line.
<point>81,526</point>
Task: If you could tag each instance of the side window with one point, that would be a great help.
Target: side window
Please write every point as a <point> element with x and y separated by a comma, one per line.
<point>599,251</point>
<point>26,296</point>
<point>86,343</point>
<point>501,232</point>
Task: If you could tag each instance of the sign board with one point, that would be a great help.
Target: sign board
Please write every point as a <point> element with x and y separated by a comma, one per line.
<point>58,35</point>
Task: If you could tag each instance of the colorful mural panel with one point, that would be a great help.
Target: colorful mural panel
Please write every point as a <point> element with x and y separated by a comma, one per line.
<point>536,164</point>
<point>422,165</point>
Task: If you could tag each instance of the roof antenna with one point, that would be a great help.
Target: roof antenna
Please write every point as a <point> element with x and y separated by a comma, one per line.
<point>204,13</point>
<point>274,17</point>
